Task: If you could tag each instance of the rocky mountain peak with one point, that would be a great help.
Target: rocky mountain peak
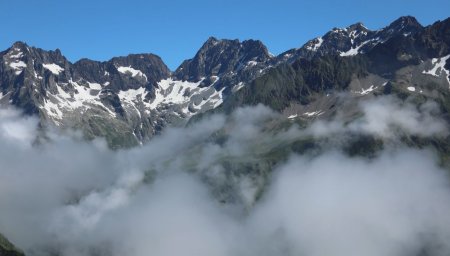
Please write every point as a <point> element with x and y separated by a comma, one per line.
<point>19,45</point>
<point>149,69</point>
<point>405,26</point>
<point>211,41</point>
<point>219,57</point>
<point>138,94</point>
<point>352,40</point>
<point>19,50</point>
<point>405,23</point>
<point>256,50</point>
<point>359,26</point>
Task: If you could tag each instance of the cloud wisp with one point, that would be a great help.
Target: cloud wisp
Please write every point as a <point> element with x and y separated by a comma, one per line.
<point>70,197</point>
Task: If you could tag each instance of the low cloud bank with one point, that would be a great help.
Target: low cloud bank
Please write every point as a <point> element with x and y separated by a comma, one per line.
<point>71,197</point>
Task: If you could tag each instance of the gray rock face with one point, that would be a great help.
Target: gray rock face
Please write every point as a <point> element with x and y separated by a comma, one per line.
<point>126,99</point>
<point>122,73</point>
<point>130,99</point>
<point>227,64</point>
<point>414,66</point>
<point>221,57</point>
<point>352,40</point>
<point>87,94</point>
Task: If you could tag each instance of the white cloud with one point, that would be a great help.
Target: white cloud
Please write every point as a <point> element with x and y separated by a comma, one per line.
<point>80,198</point>
<point>387,117</point>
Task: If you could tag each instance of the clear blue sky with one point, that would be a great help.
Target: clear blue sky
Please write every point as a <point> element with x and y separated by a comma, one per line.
<point>175,29</point>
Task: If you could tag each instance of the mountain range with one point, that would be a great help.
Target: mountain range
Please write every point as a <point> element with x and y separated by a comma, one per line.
<point>129,99</point>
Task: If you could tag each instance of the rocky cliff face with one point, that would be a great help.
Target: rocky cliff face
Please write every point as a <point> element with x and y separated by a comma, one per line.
<point>413,64</point>
<point>86,94</point>
<point>129,99</point>
<point>352,40</point>
<point>126,99</point>
<point>226,62</point>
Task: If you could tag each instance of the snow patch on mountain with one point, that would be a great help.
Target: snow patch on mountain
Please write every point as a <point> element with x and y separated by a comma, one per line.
<point>314,113</point>
<point>439,68</point>
<point>52,109</point>
<point>94,86</point>
<point>366,91</point>
<point>215,99</point>
<point>18,66</point>
<point>132,97</point>
<point>318,43</point>
<point>81,99</point>
<point>84,94</point>
<point>54,68</point>
<point>252,63</point>
<point>356,50</point>
<point>15,54</point>
<point>356,33</point>
<point>188,95</point>
<point>237,87</point>
<point>132,71</point>
<point>175,92</point>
